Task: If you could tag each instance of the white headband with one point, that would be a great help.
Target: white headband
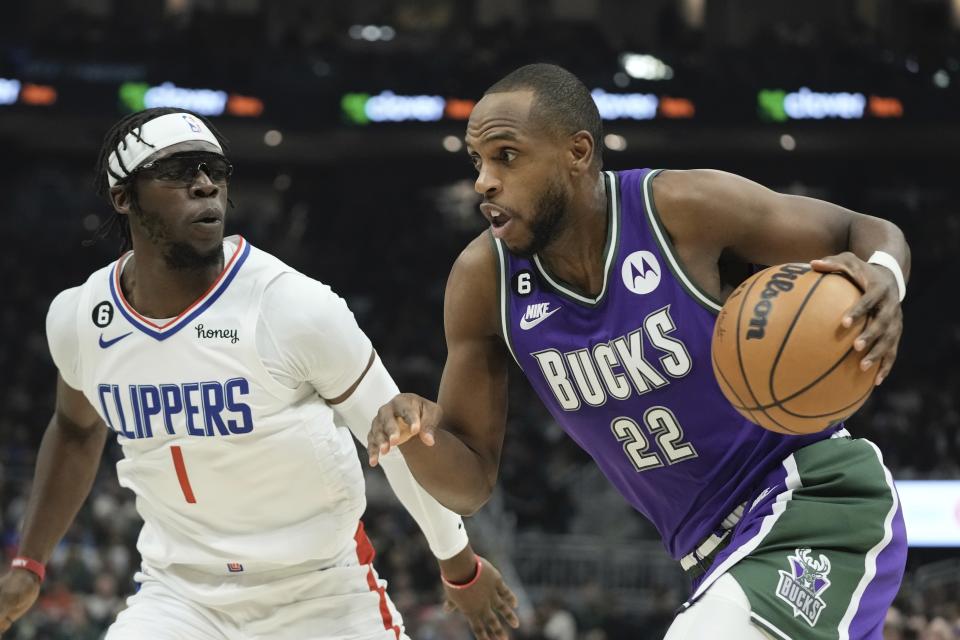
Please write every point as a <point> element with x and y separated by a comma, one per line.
<point>159,133</point>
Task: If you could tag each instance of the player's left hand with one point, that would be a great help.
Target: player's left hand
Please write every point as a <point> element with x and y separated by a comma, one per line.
<point>880,301</point>
<point>485,603</point>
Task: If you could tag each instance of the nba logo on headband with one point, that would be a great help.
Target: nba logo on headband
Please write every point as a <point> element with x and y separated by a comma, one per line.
<point>161,132</point>
<point>192,122</point>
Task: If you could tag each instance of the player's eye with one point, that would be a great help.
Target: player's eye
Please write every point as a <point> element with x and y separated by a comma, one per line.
<point>508,155</point>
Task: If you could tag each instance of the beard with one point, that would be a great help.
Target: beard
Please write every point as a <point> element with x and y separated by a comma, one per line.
<point>550,214</point>
<point>181,256</point>
<point>177,255</point>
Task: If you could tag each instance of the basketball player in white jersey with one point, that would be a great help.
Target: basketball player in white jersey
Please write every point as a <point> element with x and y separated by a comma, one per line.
<point>220,370</point>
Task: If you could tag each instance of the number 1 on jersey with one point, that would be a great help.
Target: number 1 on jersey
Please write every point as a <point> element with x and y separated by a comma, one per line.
<point>182,474</point>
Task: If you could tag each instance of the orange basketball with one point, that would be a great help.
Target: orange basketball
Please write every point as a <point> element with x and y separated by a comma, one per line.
<point>781,355</point>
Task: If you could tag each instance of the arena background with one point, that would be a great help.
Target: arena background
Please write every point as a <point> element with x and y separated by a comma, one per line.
<point>346,121</point>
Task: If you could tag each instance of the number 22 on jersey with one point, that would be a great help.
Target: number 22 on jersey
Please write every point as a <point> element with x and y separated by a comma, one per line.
<point>661,424</point>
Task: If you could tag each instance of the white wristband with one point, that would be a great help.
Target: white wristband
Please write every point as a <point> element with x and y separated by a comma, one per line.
<point>886,260</point>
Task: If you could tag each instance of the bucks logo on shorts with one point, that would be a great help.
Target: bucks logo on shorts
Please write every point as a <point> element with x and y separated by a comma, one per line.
<point>802,586</point>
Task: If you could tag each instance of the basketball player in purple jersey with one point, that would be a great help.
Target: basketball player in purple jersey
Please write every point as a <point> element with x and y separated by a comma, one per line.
<point>604,286</point>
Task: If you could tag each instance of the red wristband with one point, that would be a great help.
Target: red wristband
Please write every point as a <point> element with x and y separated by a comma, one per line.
<point>469,583</point>
<point>32,566</point>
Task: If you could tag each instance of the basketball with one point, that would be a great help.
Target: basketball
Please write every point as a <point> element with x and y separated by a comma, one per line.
<point>781,355</point>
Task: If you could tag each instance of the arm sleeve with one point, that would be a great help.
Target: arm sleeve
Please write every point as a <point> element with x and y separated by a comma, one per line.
<point>311,335</point>
<point>442,528</point>
<point>62,338</point>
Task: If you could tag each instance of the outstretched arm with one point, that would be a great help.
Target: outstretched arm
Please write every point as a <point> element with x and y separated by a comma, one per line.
<point>472,584</point>
<point>443,529</point>
<point>456,454</point>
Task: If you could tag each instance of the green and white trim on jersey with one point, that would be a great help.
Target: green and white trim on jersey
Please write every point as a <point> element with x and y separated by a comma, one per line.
<point>503,295</point>
<point>666,247</point>
<point>870,561</point>
<point>611,247</point>
<point>779,507</point>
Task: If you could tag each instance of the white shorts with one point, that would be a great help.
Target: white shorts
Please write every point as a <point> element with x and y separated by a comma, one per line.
<point>344,602</point>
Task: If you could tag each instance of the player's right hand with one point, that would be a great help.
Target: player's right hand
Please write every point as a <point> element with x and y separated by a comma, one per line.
<point>404,417</point>
<point>19,589</point>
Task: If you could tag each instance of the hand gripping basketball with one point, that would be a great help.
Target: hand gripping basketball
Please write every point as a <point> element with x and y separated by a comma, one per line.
<point>783,354</point>
<point>405,416</point>
<point>880,302</point>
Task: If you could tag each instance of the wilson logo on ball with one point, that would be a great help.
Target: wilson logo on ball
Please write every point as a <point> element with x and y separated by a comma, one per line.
<point>780,282</point>
<point>804,375</point>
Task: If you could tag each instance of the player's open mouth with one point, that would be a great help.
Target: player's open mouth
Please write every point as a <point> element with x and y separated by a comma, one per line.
<point>499,226</point>
<point>499,219</point>
<point>208,218</point>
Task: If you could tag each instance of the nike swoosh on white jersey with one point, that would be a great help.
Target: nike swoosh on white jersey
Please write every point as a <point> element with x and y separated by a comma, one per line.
<point>530,324</point>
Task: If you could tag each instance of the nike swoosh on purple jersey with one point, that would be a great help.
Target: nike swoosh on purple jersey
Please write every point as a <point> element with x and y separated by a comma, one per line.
<point>108,343</point>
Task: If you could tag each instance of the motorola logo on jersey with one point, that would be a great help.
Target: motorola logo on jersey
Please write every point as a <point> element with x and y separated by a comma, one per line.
<point>203,409</point>
<point>617,368</point>
<point>641,272</point>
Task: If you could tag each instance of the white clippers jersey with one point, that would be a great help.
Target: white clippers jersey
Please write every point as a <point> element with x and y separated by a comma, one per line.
<point>228,465</point>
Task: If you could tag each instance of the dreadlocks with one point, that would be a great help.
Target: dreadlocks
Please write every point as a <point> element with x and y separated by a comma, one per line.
<point>130,124</point>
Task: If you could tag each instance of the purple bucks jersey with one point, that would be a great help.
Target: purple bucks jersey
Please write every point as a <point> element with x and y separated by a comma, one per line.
<point>627,374</point>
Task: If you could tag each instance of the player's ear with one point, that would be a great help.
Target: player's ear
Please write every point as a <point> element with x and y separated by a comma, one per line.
<point>120,198</point>
<point>581,151</point>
